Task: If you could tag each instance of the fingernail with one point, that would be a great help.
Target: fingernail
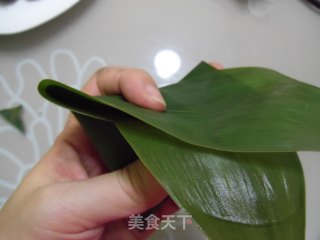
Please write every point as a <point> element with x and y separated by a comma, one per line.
<point>154,94</point>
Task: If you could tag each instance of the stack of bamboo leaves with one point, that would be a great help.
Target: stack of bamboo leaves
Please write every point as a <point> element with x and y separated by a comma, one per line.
<point>224,149</point>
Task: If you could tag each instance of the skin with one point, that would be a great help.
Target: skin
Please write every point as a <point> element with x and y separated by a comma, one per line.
<point>70,195</point>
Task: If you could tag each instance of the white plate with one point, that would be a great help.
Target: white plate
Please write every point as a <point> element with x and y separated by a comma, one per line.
<point>22,15</point>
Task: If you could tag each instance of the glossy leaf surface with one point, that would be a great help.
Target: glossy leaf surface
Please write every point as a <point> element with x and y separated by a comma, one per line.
<point>230,195</point>
<point>209,148</point>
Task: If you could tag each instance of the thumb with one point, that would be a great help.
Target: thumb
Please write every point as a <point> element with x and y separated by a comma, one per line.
<point>114,195</point>
<point>139,88</point>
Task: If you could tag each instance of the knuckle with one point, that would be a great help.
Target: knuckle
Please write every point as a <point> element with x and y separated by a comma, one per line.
<point>101,72</point>
<point>136,74</point>
<point>132,185</point>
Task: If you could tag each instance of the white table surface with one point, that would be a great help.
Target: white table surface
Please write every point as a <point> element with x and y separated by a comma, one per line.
<point>279,34</point>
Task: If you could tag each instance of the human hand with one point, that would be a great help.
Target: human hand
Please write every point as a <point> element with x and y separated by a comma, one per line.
<point>69,195</point>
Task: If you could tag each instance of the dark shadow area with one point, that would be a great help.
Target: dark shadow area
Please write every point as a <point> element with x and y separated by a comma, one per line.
<point>314,5</point>
<point>7,2</point>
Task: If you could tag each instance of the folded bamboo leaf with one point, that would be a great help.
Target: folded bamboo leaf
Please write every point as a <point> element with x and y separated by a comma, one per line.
<point>241,109</point>
<point>232,195</point>
<point>13,116</point>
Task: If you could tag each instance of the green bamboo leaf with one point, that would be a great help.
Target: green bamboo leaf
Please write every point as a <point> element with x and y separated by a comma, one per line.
<point>230,195</point>
<point>207,148</point>
<point>241,110</point>
<point>13,116</point>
